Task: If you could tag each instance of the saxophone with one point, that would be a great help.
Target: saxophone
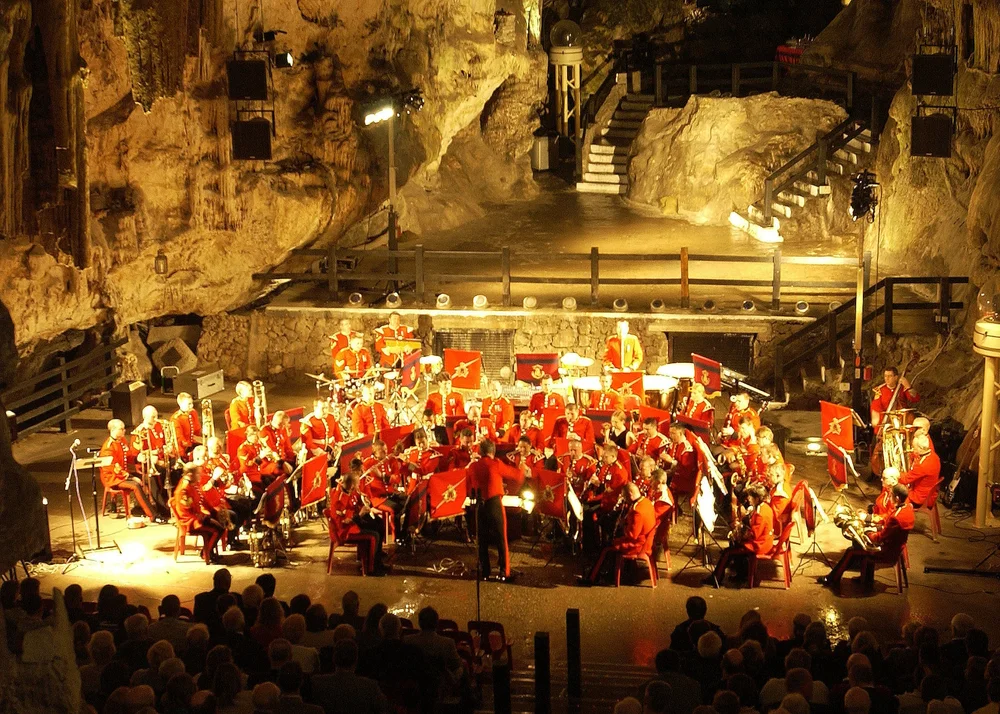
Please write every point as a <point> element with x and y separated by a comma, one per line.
<point>259,403</point>
<point>207,420</point>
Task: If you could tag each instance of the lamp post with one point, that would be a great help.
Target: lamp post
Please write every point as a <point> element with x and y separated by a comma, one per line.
<point>986,341</point>
<point>862,208</point>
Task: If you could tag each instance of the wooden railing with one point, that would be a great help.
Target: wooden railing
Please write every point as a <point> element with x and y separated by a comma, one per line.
<point>55,395</point>
<point>502,267</point>
<point>822,337</point>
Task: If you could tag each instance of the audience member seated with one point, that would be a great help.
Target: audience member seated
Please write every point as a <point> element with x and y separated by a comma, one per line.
<point>170,626</point>
<point>290,680</point>
<point>344,691</point>
<point>350,606</point>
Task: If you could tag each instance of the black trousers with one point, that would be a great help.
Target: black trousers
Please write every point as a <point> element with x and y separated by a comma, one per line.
<point>373,526</point>
<point>492,527</point>
<point>160,487</point>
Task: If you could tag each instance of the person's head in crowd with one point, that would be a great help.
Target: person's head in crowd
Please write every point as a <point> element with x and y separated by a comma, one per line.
<point>267,583</point>
<point>961,623</point>
<point>927,635</point>
<point>233,621</point>
<point>73,597</point>
<point>270,615</point>
<point>815,638</point>
<point>668,660</point>
<point>697,628</point>
<point>293,628</point>
<point>732,663</point>
<point>390,627</point>
<point>215,657</point>
<point>859,674</point>
<point>137,627</point>
<point>933,686</point>
<point>225,601</point>
<point>81,641</point>
<point>140,697</point>
<point>299,604</point>
<point>744,687</point>
<point>290,678</point>
<point>350,603</point>
<point>170,667</point>
<point>227,683</point>
<point>102,647</point>
<point>798,680</point>
<point>316,618</point>
<point>203,702</point>
<point>855,626</point>
<point>909,632</point>
<point>427,619</point>
<point>30,587</point>
<point>798,657</point>
<point>748,617</point>
<point>117,701</point>
<point>345,655</point>
<point>266,697</point>
<point>753,657</point>
<point>939,706</point>
<point>709,645</point>
<point>222,580</point>
<point>197,638</point>
<point>343,632</point>
<point>799,624</point>
<point>157,653</point>
<point>756,631</point>
<point>929,655</point>
<point>977,643</point>
<point>104,597</point>
<point>279,652</point>
<point>656,698</point>
<point>726,702</point>
<point>866,643</point>
<point>857,701</point>
<point>795,704</point>
<point>975,669</point>
<point>696,608</point>
<point>170,606</point>
<point>628,705</point>
<point>375,613</point>
<point>253,595</point>
<point>179,690</point>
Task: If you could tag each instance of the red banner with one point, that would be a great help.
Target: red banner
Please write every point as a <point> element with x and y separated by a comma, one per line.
<point>837,425</point>
<point>531,367</point>
<point>707,372</point>
<point>314,480</point>
<point>662,417</point>
<point>550,496</point>
<point>836,465</point>
<point>447,492</point>
<point>465,368</point>
<point>355,449</point>
<point>394,435</point>
<point>697,426</point>
<point>409,373</point>
<point>628,384</point>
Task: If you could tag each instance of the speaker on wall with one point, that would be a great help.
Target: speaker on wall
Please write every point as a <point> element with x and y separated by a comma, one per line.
<point>933,74</point>
<point>931,136</point>
<point>252,140</point>
<point>247,79</point>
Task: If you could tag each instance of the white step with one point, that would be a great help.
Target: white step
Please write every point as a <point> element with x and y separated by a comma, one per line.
<point>755,230</point>
<point>791,197</point>
<point>587,187</point>
<point>627,115</point>
<point>861,144</point>
<point>757,216</point>
<point>839,168</point>
<point>618,160</point>
<point>625,124</point>
<point>811,188</point>
<point>846,155</point>
<point>605,178</point>
<point>629,134</point>
<point>782,209</point>
<point>609,149</point>
<point>598,168</point>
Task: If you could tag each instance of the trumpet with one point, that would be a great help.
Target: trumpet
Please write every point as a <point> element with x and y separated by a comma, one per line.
<point>207,419</point>
<point>259,403</point>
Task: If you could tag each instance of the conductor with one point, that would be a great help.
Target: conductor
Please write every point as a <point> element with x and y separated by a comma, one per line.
<point>486,478</point>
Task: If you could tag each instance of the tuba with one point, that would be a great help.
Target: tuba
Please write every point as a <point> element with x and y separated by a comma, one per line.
<point>259,403</point>
<point>207,420</point>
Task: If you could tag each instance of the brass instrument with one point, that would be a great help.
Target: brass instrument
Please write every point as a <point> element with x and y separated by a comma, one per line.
<point>897,439</point>
<point>148,454</point>
<point>854,529</point>
<point>207,420</point>
<point>259,403</point>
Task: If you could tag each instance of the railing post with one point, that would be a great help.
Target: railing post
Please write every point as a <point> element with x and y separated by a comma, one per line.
<point>418,269</point>
<point>824,150</point>
<point>66,425</point>
<point>776,279</point>
<point>505,274</point>
<point>850,91</point>
<point>779,372</point>
<point>887,315</point>
<point>693,79</point>
<point>543,674</point>
<point>736,80</point>
<point>595,276</point>
<point>574,666</point>
<point>944,304</point>
<point>685,287</point>
<point>332,280</point>
<point>831,339</point>
<point>768,198</point>
<point>501,688</point>
<point>658,76</point>
<point>775,75</point>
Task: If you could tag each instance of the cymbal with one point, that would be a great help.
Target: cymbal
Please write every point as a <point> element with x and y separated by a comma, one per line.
<point>677,370</point>
<point>430,359</point>
<point>570,359</point>
<point>585,362</point>
<point>319,377</point>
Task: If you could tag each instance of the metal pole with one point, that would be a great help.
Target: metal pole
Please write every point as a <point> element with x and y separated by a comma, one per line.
<point>987,429</point>
<point>392,242</point>
<point>543,674</point>
<point>859,318</point>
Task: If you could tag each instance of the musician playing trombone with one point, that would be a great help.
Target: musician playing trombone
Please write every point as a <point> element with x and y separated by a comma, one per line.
<point>905,396</point>
<point>149,442</point>
<point>116,475</point>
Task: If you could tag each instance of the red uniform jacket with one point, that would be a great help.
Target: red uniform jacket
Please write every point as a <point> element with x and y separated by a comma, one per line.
<point>349,363</point>
<point>187,426</point>
<point>483,430</point>
<point>501,411</point>
<point>685,473</point>
<point>578,471</point>
<point>893,536</point>
<point>369,419</point>
<point>279,441</point>
<point>702,411</point>
<point>540,402</point>
<point>883,395</point>
<point>582,427</point>
<point>605,401</point>
<point>118,450</point>
<point>613,352</point>
<point>534,433</point>
<point>425,462</point>
<point>923,476</point>
<point>612,480</point>
<point>735,416</point>
<point>154,438</point>
<point>781,513</point>
<point>343,508</point>
<point>188,503</point>
<point>885,504</point>
<point>460,457</point>
<point>388,471</point>
<point>215,495</point>
<point>535,462</point>
<point>454,404</point>
<point>339,342</point>
<point>320,433</point>
<point>639,524</point>
<point>761,535</point>
<point>651,446</point>
<point>387,333</point>
<point>488,475</point>
<point>240,413</point>
<point>249,454</point>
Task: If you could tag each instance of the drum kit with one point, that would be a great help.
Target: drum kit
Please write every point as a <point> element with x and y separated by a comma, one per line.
<point>401,403</point>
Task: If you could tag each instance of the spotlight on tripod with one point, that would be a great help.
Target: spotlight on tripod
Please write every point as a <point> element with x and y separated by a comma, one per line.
<point>863,198</point>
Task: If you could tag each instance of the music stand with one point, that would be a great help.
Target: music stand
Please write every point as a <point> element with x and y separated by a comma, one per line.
<point>96,462</point>
<point>700,533</point>
<point>814,548</point>
<point>849,471</point>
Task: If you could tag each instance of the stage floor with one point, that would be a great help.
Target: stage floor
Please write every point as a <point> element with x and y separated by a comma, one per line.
<point>628,624</point>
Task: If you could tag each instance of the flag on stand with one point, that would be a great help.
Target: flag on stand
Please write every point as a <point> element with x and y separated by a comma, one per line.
<point>464,366</point>
<point>836,465</point>
<point>395,434</point>
<point>446,492</point>
<point>409,373</point>
<point>550,496</point>
<point>628,384</point>
<point>707,372</point>
<point>837,425</point>
<point>314,480</point>
<point>531,367</point>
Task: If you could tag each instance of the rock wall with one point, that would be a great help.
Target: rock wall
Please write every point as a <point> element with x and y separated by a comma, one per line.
<point>714,153</point>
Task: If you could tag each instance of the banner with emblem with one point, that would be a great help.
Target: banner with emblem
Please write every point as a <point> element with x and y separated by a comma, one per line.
<point>837,462</point>
<point>409,373</point>
<point>355,449</point>
<point>696,426</point>
<point>707,372</point>
<point>447,491</point>
<point>550,493</point>
<point>465,367</point>
<point>628,384</point>
<point>314,480</point>
<point>837,425</point>
<point>394,435</point>
<point>661,415</point>
<point>531,367</point>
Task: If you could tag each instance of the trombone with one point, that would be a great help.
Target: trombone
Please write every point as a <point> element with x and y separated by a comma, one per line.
<point>207,420</point>
<point>259,403</point>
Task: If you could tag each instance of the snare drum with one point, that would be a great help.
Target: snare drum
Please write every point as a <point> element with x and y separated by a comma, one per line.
<point>388,384</point>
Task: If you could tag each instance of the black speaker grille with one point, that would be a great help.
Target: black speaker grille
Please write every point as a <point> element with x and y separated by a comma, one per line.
<point>931,136</point>
<point>247,79</point>
<point>252,140</point>
<point>933,75</point>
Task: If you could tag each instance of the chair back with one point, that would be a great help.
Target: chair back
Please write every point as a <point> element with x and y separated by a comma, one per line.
<point>446,626</point>
<point>782,545</point>
<point>933,495</point>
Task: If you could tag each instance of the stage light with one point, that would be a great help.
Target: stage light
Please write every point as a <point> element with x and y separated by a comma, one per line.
<point>708,306</point>
<point>160,262</point>
<point>835,305</point>
<point>45,501</point>
<point>814,446</point>
<point>530,303</point>
<point>355,299</point>
<point>620,305</point>
<point>528,501</point>
<point>267,35</point>
<point>863,198</point>
<point>569,303</point>
<point>657,305</point>
<point>749,306</point>
<point>443,301</point>
<point>283,60</point>
<point>480,302</point>
<point>801,307</point>
<point>392,300</point>
<point>380,115</point>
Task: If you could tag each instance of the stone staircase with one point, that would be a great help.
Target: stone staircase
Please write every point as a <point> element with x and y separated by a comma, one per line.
<point>606,162</point>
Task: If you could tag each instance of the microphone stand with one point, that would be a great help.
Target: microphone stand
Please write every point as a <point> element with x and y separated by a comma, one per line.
<point>75,555</point>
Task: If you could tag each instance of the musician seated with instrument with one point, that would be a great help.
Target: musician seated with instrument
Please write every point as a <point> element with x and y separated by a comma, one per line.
<point>394,330</point>
<point>601,498</point>
<point>195,514</point>
<point>353,362</point>
<point>883,546</point>
<point>649,441</point>
<point>241,408</point>
<point>607,398</point>
<point>526,427</point>
<point>187,425</point>
<point>222,490</point>
<point>116,475</point>
<point>572,423</point>
<point>924,475</point>
<point>637,530</point>
<point>434,427</point>
<point>383,475</point>
<point>682,464</point>
<point>258,464</point>
<point>320,431</point>
<point>545,399</point>
<point>368,417</point>
<point>419,462</point>
<point>351,512</point>
<point>526,457</point>
<point>739,410</point>
<point>894,393</point>
<point>577,466</point>
<point>480,427</point>
<point>885,504</point>
<point>781,505</point>
<point>499,409</point>
<point>445,401</point>
<point>752,533</point>
<point>149,442</point>
<point>663,503</point>
<point>278,437</point>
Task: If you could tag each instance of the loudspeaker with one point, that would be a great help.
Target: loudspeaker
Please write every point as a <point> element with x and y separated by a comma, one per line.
<point>933,74</point>
<point>127,401</point>
<point>247,79</point>
<point>931,136</point>
<point>252,140</point>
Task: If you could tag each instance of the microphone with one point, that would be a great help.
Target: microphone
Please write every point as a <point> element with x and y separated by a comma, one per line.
<point>93,450</point>
<point>76,443</point>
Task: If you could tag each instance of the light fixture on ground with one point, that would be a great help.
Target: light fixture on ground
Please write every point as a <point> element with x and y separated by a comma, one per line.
<point>283,60</point>
<point>708,306</point>
<point>801,307</point>
<point>657,305</point>
<point>569,303</point>
<point>530,302</point>
<point>835,304</point>
<point>443,301</point>
<point>355,299</point>
<point>392,300</point>
<point>620,305</point>
<point>160,262</point>
<point>262,35</point>
<point>480,302</point>
<point>749,306</point>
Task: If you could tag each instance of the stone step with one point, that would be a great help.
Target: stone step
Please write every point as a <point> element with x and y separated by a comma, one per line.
<point>755,214</point>
<point>846,155</point>
<point>630,106</point>
<point>839,167</point>
<point>626,115</point>
<point>599,168</point>
<point>617,159</point>
<point>588,187</point>
<point>792,196</point>
<point>609,149</point>
<point>755,230</point>
<point>782,208</point>
<point>605,178</point>
<point>610,133</point>
<point>646,99</point>
<point>811,186</point>
<point>861,144</point>
<point>625,124</point>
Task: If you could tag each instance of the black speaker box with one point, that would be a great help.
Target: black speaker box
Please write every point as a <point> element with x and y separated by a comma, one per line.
<point>252,140</point>
<point>127,401</point>
<point>247,79</point>
<point>933,74</point>
<point>931,136</point>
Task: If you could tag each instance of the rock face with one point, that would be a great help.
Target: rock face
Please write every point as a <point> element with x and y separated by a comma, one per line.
<point>714,153</point>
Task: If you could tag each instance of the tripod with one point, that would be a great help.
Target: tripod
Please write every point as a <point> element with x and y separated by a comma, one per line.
<point>701,536</point>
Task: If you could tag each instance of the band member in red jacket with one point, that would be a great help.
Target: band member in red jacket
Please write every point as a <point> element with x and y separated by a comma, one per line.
<point>905,398</point>
<point>194,514</point>
<point>649,442</point>
<point>600,497</point>
<point>698,407</point>
<point>368,417</point>
<point>445,401</point>
<point>576,465</point>
<point>116,475</point>
<point>924,475</point>
<point>187,425</point>
<point>885,504</point>
<point>573,423</point>
<point>383,473</point>
<point>394,330</point>
<point>340,340</point>
<point>545,399</point>
<point>636,540</point>
<point>353,362</point>
<point>241,408</point>
<point>258,463</point>
<point>499,409</point>
<point>757,537</point>
<point>606,399</point>
<point>527,426</point>
<point>348,514</point>
<point>682,463</point>
<point>152,461</point>
<point>738,410</point>
<point>622,350</point>
<point>486,479</point>
<point>278,437</point>
<point>320,431</point>
<point>481,427</point>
